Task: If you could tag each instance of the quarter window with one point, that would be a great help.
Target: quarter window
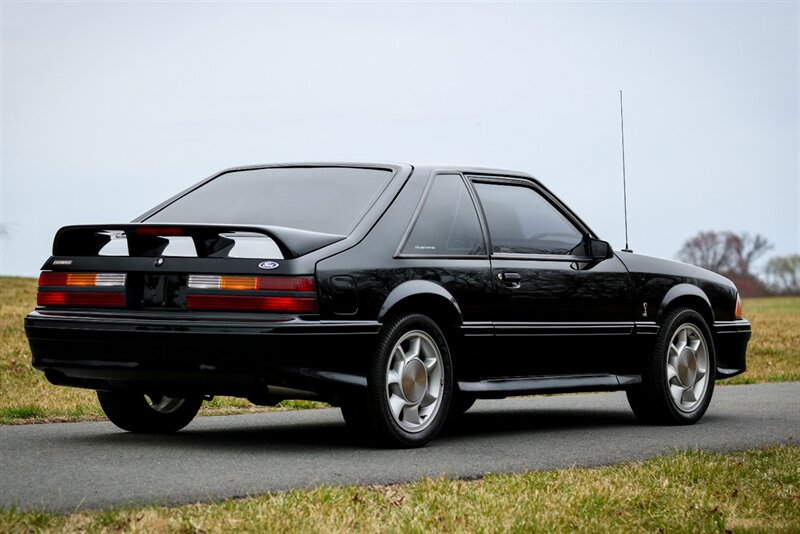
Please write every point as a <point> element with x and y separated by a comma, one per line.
<point>521,221</point>
<point>448,224</point>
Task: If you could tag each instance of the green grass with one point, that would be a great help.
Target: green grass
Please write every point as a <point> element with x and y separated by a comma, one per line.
<point>21,412</point>
<point>750,491</point>
<point>25,395</point>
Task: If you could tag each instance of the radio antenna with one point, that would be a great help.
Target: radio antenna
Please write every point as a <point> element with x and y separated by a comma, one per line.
<point>624,184</point>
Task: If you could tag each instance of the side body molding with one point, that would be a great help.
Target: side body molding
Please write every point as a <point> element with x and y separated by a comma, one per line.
<point>419,288</point>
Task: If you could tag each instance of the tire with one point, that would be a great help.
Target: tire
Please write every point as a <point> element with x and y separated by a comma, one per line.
<point>409,384</point>
<point>148,414</point>
<point>678,379</point>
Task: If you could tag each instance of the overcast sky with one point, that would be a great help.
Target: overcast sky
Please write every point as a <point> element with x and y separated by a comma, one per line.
<point>109,108</point>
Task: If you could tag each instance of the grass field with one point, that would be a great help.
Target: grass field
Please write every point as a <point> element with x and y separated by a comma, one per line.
<point>750,491</point>
<point>773,354</point>
<point>25,395</point>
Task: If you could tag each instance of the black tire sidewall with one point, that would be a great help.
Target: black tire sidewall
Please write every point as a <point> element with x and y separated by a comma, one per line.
<point>132,412</point>
<point>657,370</point>
<point>388,431</point>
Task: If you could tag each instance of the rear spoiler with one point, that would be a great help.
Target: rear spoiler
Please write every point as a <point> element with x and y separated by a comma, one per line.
<point>146,239</point>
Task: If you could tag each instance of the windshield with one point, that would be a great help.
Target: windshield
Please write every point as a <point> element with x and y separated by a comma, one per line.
<point>320,199</point>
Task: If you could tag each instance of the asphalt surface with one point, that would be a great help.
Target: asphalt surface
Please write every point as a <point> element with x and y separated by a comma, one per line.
<point>71,466</point>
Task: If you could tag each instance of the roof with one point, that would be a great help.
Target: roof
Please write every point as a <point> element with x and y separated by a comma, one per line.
<point>423,167</point>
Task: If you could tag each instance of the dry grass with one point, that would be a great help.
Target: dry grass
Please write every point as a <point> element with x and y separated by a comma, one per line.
<point>773,354</point>
<point>24,392</point>
<point>753,491</point>
<point>25,395</point>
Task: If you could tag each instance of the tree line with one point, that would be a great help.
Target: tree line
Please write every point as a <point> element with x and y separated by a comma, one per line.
<point>734,255</point>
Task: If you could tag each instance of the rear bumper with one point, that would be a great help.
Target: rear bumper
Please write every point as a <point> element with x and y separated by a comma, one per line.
<point>730,340</point>
<point>200,353</point>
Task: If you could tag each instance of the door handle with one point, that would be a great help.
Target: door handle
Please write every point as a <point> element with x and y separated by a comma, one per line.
<point>511,280</point>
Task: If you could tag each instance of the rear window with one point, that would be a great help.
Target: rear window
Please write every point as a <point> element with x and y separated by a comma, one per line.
<point>319,199</point>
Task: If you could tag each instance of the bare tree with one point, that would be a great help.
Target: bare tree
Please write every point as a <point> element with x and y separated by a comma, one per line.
<point>726,253</point>
<point>783,274</point>
<point>729,254</point>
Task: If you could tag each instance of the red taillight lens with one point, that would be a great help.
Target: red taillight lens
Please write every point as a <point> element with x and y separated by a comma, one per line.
<point>76,298</point>
<point>271,304</point>
<point>53,279</point>
<point>738,312</point>
<point>79,289</point>
<point>159,231</point>
<point>285,283</point>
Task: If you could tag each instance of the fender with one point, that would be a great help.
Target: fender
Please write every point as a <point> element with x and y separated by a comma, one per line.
<point>685,290</point>
<point>415,288</point>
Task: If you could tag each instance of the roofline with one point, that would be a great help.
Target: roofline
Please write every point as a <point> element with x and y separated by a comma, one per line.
<point>395,168</point>
<point>393,165</point>
<point>386,165</point>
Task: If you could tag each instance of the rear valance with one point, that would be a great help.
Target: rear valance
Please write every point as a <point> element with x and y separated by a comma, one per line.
<point>210,240</point>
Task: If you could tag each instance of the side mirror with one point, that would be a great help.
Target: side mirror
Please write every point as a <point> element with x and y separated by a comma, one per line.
<point>600,250</point>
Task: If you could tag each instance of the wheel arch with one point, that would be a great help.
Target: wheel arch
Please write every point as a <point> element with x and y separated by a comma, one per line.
<point>423,296</point>
<point>689,296</point>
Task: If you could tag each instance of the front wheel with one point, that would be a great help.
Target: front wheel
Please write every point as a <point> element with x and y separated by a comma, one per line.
<point>678,380</point>
<point>410,382</point>
<point>150,413</point>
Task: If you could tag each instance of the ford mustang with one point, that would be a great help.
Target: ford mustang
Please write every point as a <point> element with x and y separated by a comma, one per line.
<point>399,293</point>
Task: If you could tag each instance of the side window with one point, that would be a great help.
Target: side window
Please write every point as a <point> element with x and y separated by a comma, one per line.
<point>522,221</point>
<point>448,224</point>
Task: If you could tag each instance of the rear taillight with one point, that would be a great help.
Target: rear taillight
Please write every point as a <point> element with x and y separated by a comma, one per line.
<point>81,289</point>
<point>96,299</point>
<point>738,312</point>
<point>82,279</point>
<point>272,304</point>
<point>287,294</point>
<point>265,283</point>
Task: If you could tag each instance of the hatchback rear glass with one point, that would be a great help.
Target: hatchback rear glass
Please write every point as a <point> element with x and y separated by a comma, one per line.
<point>320,199</point>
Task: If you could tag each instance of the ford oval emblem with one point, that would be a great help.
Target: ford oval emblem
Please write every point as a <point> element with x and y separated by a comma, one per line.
<point>268,265</point>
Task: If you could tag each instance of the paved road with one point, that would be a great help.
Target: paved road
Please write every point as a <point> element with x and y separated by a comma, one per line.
<point>70,466</point>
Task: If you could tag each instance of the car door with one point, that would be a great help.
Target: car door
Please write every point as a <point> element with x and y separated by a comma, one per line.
<point>556,311</point>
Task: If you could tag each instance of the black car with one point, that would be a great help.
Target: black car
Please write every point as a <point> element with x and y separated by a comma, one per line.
<point>400,293</point>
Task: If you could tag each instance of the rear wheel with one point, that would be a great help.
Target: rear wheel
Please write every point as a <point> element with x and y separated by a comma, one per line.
<point>148,413</point>
<point>678,380</point>
<point>409,384</point>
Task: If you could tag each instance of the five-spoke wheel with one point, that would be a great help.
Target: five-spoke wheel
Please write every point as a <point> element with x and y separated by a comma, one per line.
<point>409,384</point>
<point>414,381</point>
<point>678,379</point>
<point>687,367</point>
